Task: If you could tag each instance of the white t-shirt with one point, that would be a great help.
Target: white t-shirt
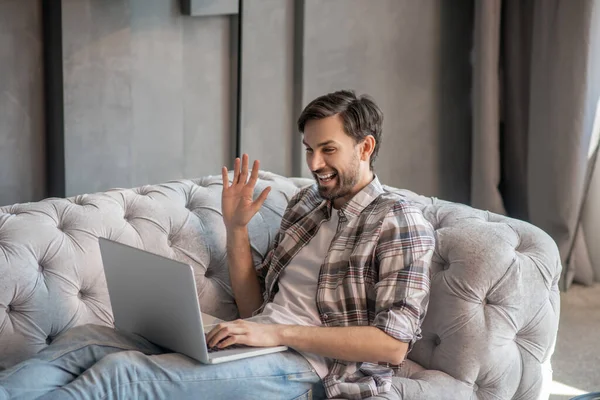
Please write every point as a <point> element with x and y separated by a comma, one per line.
<point>296,301</point>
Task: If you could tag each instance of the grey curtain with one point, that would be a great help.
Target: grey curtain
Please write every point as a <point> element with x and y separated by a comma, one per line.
<point>536,89</point>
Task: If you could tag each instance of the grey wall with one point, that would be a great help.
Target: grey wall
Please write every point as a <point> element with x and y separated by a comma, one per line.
<point>412,57</point>
<point>22,157</point>
<point>148,92</point>
<point>267,104</point>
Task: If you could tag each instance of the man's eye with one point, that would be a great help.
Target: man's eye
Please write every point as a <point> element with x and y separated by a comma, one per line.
<point>308,150</point>
<point>329,150</point>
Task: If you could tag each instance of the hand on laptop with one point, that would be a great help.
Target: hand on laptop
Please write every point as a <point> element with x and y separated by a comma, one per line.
<point>244,332</point>
<point>237,204</point>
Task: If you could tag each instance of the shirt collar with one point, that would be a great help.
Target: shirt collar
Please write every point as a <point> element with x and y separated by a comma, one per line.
<point>359,202</point>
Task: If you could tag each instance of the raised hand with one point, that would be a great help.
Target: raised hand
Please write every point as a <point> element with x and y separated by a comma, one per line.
<point>236,201</point>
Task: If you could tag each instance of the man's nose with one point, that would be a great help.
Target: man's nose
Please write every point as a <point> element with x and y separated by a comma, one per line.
<point>315,162</point>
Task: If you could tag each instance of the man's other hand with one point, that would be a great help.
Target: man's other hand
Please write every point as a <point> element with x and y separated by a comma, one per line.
<point>244,332</point>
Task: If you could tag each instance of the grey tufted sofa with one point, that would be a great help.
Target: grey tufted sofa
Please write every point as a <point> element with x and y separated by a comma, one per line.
<point>493,314</point>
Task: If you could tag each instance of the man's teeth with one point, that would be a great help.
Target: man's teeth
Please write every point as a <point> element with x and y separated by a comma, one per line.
<point>325,177</point>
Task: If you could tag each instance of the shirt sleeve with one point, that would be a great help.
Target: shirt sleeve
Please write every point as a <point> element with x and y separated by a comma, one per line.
<point>403,256</point>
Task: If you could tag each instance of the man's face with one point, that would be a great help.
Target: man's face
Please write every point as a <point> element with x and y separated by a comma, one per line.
<point>334,159</point>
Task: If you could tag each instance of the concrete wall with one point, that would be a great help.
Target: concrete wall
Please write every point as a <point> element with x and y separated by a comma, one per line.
<point>267,103</point>
<point>413,58</point>
<point>22,157</point>
<point>148,92</point>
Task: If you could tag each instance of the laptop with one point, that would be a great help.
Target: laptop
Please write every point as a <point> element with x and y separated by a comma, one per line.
<point>155,297</point>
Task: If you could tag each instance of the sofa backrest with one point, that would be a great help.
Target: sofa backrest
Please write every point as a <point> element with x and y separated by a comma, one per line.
<point>494,305</point>
<point>51,275</point>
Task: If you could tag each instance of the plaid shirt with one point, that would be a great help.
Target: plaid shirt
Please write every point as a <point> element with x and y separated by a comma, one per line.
<point>376,273</point>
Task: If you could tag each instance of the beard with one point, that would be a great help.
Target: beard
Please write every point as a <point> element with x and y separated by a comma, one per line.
<point>344,182</point>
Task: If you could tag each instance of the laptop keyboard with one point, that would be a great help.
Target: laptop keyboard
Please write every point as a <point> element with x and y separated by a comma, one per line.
<point>233,346</point>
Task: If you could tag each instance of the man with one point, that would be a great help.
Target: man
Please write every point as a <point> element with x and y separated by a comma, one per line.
<point>345,287</point>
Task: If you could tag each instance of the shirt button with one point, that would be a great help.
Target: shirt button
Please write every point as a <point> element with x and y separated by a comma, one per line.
<point>325,316</point>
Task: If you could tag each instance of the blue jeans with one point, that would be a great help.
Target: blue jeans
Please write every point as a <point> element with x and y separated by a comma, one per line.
<point>94,362</point>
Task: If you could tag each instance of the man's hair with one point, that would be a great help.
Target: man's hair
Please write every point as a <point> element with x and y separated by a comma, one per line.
<point>361,117</point>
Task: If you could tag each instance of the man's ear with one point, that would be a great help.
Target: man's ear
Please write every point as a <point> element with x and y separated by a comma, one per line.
<point>367,147</point>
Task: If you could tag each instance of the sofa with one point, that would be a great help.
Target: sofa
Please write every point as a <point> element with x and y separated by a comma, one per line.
<point>494,307</point>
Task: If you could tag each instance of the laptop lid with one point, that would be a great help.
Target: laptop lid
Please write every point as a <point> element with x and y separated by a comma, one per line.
<point>154,297</point>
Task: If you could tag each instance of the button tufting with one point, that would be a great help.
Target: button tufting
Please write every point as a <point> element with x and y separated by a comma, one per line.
<point>48,340</point>
<point>169,242</point>
<point>521,248</point>
<point>437,340</point>
<point>9,308</point>
<point>517,336</point>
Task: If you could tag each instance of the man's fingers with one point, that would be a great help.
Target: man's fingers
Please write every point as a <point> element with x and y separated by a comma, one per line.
<point>261,199</point>
<point>212,333</point>
<point>217,337</point>
<point>254,175</point>
<point>244,174</point>
<point>228,342</point>
<point>215,331</point>
<point>222,331</point>
<point>225,177</point>
<point>236,170</point>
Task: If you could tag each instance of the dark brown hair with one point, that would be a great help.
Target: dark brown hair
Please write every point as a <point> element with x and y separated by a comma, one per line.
<point>361,117</point>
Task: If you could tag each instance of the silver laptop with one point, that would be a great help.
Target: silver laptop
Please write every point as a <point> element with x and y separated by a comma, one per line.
<point>156,298</point>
